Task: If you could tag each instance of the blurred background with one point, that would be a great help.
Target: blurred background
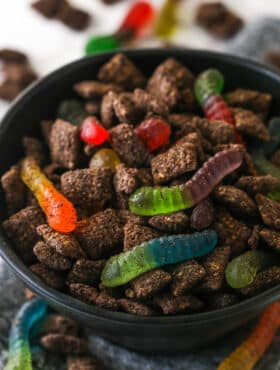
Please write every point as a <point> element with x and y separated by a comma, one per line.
<point>51,42</point>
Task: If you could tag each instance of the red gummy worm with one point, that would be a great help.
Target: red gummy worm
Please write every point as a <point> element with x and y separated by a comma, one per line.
<point>139,16</point>
<point>92,132</point>
<point>216,109</point>
<point>252,349</point>
<point>154,133</point>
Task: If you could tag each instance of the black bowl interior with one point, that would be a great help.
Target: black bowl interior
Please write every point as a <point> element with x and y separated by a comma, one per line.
<point>165,334</point>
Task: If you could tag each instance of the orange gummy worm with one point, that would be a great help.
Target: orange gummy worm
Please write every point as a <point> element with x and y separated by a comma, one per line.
<point>251,350</point>
<point>60,212</point>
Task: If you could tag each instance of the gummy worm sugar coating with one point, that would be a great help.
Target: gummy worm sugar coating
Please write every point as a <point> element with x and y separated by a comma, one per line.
<point>31,313</point>
<point>156,252</point>
<point>251,350</point>
<point>151,201</point>
<point>208,83</point>
<point>242,270</point>
<point>60,212</point>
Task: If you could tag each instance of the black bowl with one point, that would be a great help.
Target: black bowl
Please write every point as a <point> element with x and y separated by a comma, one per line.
<point>164,335</point>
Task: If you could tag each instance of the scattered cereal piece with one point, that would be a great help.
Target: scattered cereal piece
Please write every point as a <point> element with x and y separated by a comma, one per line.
<point>86,272</point>
<point>9,90</point>
<point>82,362</point>
<point>186,276</point>
<point>13,56</point>
<point>221,300</point>
<point>100,234</point>
<point>64,244</point>
<point>95,89</point>
<point>130,149</point>
<point>49,277</point>
<point>48,8</point>
<point>176,161</point>
<point>250,124</point>
<point>135,308</point>
<point>256,101</point>
<point>47,256</point>
<point>65,144</point>
<point>148,284</point>
<point>257,184</point>
<point>231,231</point>
<point>57,324</point>
<point>172,222</point>
<point>14,190</point>
<point>269,210</point>
<point>253,241</point>
<point>215,265</point>
<point>235,200</point>
<point>272,238</point>
<point>21,74</point>
<point>171,305</point>
<point>264,280</point>
<point>20,228</point>
<point>202,215</point>
<point>64,344</point>
<point>72,17</point>
<point>135,234</point>
<point>121,71</point>
<point>90,295</point>
<point>88,188</point>
<point>34,148</point>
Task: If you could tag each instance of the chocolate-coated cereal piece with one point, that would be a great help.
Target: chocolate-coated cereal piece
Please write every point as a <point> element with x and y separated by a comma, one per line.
<point>47,256</point>
<point>107,110</point>
<point>21,74</point>
<point>196,139</point>
<point>148,103</point>
<point>125,109</point>
<point>100,234</point>
<point>126,216</point>
<point>20,228</point>
<point>271,238</point>
<point>231,231</point>
<point>202,215</point>
<point>171,82</point>
<point>14,190</point>
<point>135,234</point>
<point>269,210</point>
<point>172,222</point>
<point>135,308</point>
<point>231,25</point>
<point>186,276</point>
<point>9,90</point>
<point>254,239</point>
<point>217,132</point>
<point>95,89</point>
<point>93,107</point>
<point>275,159</point>
<point>55,323</point>
<point>13,56</point>
<point>171,305</point>
<point>215,265</point>
<point>64,344</point>
<point>34,148</point>
<point>176,161</point>
<point>121,71</point>
<point>148,284</point>
<point>64,244</point>
<point>221,300</point>
<point>52,278</point>
<point>86,272</point>
<point>257,184</point>
<point>83,363</point>
<point>65,144</point>
<point>250,124</point>
<point>47,8</point>
<point>90,295</point>
<point>125,179</point>
<point>235,200</point>
<point>256,101</point>
<point>130,149</point>
<point>264,280</point>
<point>72,17</point>
<point>88,187</point>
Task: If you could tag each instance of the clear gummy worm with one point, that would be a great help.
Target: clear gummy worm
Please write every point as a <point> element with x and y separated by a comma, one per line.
<point>30,314</point>
<point>150,201</point>
<point>252,349</point>
<point>126,266</point>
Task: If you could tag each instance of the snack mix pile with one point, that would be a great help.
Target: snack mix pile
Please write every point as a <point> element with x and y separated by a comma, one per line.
<point>135,202</point>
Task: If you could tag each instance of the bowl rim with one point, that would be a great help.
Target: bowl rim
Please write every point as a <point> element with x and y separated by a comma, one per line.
<point>70,303</point>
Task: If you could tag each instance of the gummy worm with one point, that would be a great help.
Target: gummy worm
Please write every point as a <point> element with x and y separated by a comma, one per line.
<point>149,201</point>
<point>31,313</point>
<point>60,212</point>
<point>126,266</point>
<point>252,349</point>
<point>242,270</point>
